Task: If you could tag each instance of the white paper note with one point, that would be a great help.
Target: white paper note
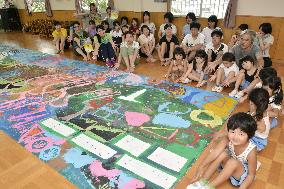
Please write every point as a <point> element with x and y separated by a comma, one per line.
<point>132,145</point>
<point>146,171</point>
<point>94,146</point>
<point>168,159</point>
<point>58,127</point>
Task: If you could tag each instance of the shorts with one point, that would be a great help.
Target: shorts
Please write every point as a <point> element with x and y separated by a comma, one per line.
<point>244,84</point>
<point>274,122</point>
<point>235,181</point>
<point>260,143</point>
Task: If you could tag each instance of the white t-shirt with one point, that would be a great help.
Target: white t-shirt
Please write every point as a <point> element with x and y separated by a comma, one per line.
<point>150,25</point>
<point>207,33</point>
<point>174,29</point>
<point>115,33</point>
<point>145,39</point>
<point>233,68</point>
<point>188,39</point>
<point>209,46</point>
<point>135,45</point>
<point>267,39</point>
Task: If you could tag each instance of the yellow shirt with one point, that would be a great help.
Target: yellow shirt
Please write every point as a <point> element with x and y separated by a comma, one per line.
<point>61,33</point>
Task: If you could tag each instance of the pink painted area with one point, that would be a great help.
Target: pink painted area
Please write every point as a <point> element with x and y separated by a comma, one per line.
<point>136,119</point>
<point>97,170</point>
<point>134,184</point>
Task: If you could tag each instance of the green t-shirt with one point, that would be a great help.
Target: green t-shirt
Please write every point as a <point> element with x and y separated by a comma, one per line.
<point>105,39</point>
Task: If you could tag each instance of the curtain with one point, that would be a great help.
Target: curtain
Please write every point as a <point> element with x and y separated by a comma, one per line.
<point>230,16</point>
<point>28,6</point>
<point>48,10</point>
<point>110,3</point>
<point>78,6</point>
<point>169,5</point>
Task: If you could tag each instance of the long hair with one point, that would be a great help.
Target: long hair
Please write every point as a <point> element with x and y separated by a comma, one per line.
<point>201,54</point>
<point>260,98</point>
<point>98,36</point>
<point>275,84</point>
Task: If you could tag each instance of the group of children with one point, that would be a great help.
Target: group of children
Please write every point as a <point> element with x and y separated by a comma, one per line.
<point>235,152</point>
<point>243,65</point>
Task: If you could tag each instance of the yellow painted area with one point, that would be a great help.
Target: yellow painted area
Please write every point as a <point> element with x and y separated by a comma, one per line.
<point>221,107</point>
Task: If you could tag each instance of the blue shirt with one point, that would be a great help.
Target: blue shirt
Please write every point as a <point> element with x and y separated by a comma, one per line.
<point>186,29</point>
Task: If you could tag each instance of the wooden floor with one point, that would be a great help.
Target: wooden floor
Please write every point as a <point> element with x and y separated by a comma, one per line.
<point>20,169</point>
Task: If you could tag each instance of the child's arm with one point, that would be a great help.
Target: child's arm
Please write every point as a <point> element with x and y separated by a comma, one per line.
<point>273,112</point>
<point>133,58</point>
<point>170,69</point>
<point>213,154</point>
<point>185,75</point>
<point>231,78</point>
<point>196,47</point>
<point>252,160</point>
<point>200,82</point>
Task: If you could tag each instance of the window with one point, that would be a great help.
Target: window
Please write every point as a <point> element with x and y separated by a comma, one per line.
<point>201,8</point>
<point>38,6</point>
<point>101,4</point>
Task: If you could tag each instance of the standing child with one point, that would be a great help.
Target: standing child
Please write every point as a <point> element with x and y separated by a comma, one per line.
<point>109,18</point>
<point>116,34</point>
<point>128,52</point>
<point>59,35</point>
<point>235,156</point>
<point>212,25</point>
<point>147,22</point>
<point>226,73</point>
<point>168,19</point>
<point>265,40</point>
<point>147,43</point>
<point>134,28</point>
<point>196,70</point>
<point>245,77</point>
<point>104,47</point>
<point>178,65</point>
<point>258,106</point>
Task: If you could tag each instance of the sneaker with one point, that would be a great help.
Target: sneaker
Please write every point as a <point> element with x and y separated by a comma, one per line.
<point>217,89</point>
<point>201,184</point>
<point>187,81</point>
<point>239,95</point>
<point>233,93</point>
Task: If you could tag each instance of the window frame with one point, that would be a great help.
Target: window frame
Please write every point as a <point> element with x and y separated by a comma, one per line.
<point>38,1</point>
<point>200,10</point>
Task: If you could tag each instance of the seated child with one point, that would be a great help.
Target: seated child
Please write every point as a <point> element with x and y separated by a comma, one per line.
<point>129,50</point>
<point>116,34</point>
<point>258,108</point>
<point>134,28</point>
<point>273,85</point>
<point>216,48</point>
<point>124,21</point>
<point>212,25</point>
<point>193,42</point>
<point>79,38</point>
<point>124,29</point>
<point>226,74</point>
<point>109,17</point>
<point>245,77</point>
<point>196,69</point>
<point>235,39</point>
<point>88,46</point>
<point>178,65</point>
<point>190,17</point>
<point>91,29</point>
<point>235,156</point>
<point>166,46</point>
<point>147,43</point>
<point>104,47</point>
<point>59,37</point>
<point>168,19</point>
<point>106,26</point>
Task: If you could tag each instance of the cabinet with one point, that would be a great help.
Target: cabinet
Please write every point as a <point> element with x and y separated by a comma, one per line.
<point>10,19</point>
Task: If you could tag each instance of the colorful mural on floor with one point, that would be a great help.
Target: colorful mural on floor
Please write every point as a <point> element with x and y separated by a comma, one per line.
<point>105,129</point>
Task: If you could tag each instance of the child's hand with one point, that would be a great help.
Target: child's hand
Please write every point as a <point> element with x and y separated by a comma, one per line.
<point>225,83</point>
<point>212,78</point>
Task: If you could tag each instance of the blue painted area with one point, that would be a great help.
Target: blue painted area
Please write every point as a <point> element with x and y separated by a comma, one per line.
<point>75,157</point>
<point>123,180</point>
<point>170,120</point>
<point>76,177</point>
<point>197,98</point>
<point>50,153</point>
